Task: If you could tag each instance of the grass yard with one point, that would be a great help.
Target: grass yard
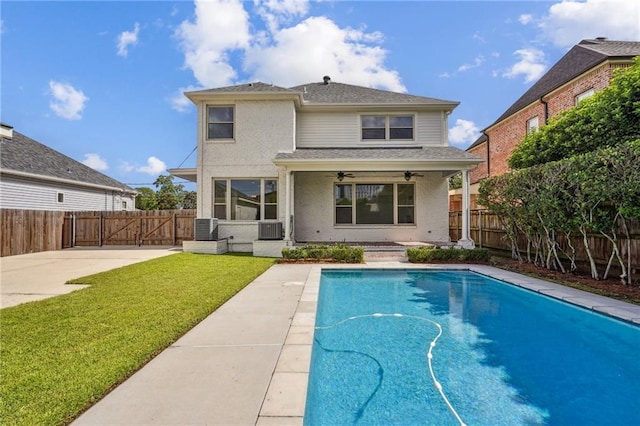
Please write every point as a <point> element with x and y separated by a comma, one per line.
<point>61,355</point>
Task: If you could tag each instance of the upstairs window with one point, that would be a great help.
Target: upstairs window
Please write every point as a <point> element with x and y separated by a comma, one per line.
<point>220,122</point>
<point>532,125</point>
<point>584,95</point>
<point>387,127</point>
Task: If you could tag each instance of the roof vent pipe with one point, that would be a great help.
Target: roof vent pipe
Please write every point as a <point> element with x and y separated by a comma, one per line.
<point>601,38</point>
<point>326,79</point>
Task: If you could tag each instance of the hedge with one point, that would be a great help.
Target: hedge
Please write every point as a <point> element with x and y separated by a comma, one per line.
<point>431,254</point>
<point>339,253</point>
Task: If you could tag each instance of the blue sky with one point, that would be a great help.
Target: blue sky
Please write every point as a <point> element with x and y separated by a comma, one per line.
<point>102,81</point>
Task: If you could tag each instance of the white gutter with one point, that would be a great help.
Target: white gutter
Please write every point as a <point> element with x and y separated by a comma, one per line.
<point>67,181</point>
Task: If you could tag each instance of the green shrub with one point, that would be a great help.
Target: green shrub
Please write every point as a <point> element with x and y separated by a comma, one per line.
<point>338,253</point>
<point>433,254</point>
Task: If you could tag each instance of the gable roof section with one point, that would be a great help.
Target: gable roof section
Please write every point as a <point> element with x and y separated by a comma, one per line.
<point>581,58</point>
<point>28,157</point>
<point>346,94</point>
<point>323,94</point>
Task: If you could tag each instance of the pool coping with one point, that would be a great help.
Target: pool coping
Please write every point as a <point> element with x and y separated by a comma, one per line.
<point>284,403</point>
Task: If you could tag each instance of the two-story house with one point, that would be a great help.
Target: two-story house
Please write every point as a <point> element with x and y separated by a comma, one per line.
<point>330,162</point>
<point>585,69</point>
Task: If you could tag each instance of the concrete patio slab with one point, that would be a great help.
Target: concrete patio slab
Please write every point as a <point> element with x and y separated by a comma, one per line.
<point>36,276</point>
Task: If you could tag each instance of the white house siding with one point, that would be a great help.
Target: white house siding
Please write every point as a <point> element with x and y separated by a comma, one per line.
<point>314,210</point>
<point>262,128</point>
<point>342,129</point>
<point>31,194</point>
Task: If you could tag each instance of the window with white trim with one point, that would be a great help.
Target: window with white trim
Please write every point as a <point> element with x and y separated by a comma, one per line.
<point>532,125</point>
<point>584,95</point>
<point>245,199</point>
<point>387,127</point>
<point>220,122</point>
<point>60,197</point>
<point>374,204</point>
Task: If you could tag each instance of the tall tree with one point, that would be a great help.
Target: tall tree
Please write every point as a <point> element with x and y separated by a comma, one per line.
<point>146,199</point>
<point>169,195</point>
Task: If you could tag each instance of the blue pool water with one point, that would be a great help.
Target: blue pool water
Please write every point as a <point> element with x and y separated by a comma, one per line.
<point>502,355</point>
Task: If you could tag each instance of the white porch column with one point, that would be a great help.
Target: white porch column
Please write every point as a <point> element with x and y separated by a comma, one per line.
<point>465,241</point>
<point>287,205</point>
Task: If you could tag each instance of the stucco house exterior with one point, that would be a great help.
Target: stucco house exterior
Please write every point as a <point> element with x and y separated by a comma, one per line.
<point>36,177</point>
<point>330,162</point>
<point>585,69</point>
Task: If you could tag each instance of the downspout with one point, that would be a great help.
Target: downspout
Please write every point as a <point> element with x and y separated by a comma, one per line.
<point>488,156</point>
<point>546,109</point>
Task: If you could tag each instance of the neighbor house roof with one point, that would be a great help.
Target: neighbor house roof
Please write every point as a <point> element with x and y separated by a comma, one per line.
<point>483,138</point>
<point>582,57</point>
<point>27,157</point>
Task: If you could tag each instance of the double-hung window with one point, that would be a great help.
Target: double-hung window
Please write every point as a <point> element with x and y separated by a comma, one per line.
<point>220,122</point>
<point>533,125</point>
<point>245,199</point>
<point>374,204</point>
<point>583,95</point>
<point>387,127</point>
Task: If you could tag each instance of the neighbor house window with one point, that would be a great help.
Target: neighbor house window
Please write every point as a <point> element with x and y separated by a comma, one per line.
<point>584,95</point>
<point>245,199</point>
<point>532,125</point>
<point>60,197</point>
<point>387,127</point>
<point>124,205</point>
<point>374,204</point>
<point>220,122</point>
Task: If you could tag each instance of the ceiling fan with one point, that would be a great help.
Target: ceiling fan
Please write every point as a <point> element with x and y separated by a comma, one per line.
<point>408,175</point>
<point>341,175</point>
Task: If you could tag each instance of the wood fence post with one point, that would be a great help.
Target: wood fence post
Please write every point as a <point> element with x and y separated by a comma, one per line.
<point>480,227</point>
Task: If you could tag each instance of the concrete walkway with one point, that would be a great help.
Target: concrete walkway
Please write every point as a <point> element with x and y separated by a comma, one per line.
<point>28,277</point>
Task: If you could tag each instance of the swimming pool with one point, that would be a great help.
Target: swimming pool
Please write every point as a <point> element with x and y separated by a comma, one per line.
<point>455,347</point>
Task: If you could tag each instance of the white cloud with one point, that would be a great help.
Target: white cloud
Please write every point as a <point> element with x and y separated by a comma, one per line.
<point>476,63</point>
<point>531,65</point>
<point>179,101</point>
<point>291,51</point>
<point>525,18</point>
<point>316,47</point>
<point>95,162</point>
<point>464,132</point>
<point>219,27</point>
<point>67,102</point>
<point>570,21</point>
<point>125,166</point>
<point>126,39</point>
<point>154,167</point>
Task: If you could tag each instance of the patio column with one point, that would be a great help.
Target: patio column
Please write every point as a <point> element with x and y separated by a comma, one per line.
<point>465,241</point>
<point>287,206</point>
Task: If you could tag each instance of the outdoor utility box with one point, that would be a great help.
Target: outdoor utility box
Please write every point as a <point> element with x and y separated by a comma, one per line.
<point>206,229</point>
<point>269,230</point>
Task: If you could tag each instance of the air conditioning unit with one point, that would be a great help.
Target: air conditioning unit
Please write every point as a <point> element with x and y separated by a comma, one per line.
<point>206,229</point>
<point>269,230</point>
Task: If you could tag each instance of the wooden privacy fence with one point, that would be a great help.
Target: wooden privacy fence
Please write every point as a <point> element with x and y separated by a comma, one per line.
<point>30,231</point>
<point>487,231</point>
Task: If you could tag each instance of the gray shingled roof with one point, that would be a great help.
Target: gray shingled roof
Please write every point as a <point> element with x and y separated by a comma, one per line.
<point>480,140</point>
<point>340,93</point>
<point>582,57</point>
<point>257,87</point>
<point>333,93</point>
<point>23,154</point>
<point>435,153</point>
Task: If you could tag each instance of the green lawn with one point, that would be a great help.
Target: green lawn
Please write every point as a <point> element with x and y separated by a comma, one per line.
<point>61,355</point>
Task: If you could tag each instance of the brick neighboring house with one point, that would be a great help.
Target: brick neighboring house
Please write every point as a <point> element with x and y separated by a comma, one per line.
<point>585,69</point>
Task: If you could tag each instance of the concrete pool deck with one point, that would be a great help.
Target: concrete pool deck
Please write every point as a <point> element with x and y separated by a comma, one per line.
<point>248,362</point>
